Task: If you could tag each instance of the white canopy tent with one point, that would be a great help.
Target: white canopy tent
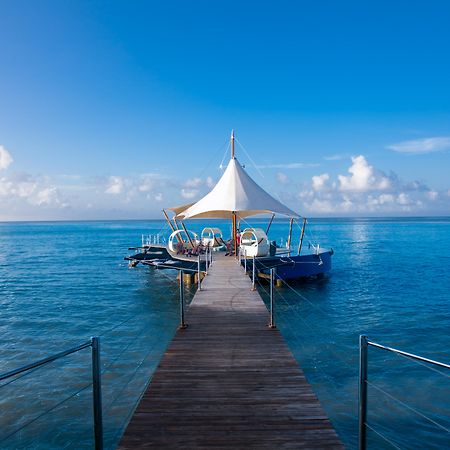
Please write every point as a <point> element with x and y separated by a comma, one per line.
<point>235,194</point>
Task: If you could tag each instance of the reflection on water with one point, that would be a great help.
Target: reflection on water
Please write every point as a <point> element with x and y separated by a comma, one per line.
<point>62,283</point>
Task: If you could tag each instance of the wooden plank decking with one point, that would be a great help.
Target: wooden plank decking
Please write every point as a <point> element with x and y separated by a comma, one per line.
<point>228,380</point>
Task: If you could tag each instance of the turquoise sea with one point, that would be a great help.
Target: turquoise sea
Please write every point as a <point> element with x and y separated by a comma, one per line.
<point>62,282</point>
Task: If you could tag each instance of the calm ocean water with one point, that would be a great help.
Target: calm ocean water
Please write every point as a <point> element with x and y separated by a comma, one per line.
<point>61,283</point>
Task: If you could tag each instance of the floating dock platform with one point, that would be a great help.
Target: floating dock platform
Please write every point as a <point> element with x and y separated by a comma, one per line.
<point>229,381</point>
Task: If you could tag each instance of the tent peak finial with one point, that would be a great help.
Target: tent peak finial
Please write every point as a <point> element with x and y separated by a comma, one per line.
<point>232,144</point>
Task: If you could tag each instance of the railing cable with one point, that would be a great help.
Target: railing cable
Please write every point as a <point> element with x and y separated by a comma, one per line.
<point>46,412</point>
<point>416,411</point>
<point>420,363</point>
<point>299,339</point>
<point>383,437</point>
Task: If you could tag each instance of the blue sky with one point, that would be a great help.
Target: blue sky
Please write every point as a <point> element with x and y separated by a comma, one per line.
<point>117,109</point>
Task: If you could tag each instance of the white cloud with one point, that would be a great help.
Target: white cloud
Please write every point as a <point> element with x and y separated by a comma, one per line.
<point>385,198</point>
<point>403,199</point>
<point>46,196</point>
<point>146,183</point>
<point>320,206</point>
<point>189,193</point>
<point>427,145</point>
<point>193,182</point>
<point>319,181</point>
<point>368,190</point>
<point>115,185</point>
<point>24,194</point>
<point>5,158</point>
<point>282,178</point>
<point>210,182</point>
<point>363,177</point>
<point>306,193</point>
<point>346,204</point>
<point>333,157</point>
<point>159,197</point>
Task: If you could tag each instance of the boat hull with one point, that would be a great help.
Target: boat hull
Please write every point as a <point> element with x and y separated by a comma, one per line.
<point>286,267</point>
<point>294,267</point>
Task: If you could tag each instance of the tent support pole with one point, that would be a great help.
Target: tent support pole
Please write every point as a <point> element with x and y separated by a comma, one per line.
<point>290,236</point>
<point>270,223</point>
<point>233,232</point>
<point>168,221</point>
<point>171,226</point>
<point>301,237</point>
<point>180,239</point>
<point>187,234</point>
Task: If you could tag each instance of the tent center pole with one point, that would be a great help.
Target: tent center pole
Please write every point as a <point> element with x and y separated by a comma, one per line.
<point>233,232</point>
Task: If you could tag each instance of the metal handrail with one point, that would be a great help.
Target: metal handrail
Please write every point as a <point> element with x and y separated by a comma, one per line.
<point>364,344</point>
<point>94,343</point>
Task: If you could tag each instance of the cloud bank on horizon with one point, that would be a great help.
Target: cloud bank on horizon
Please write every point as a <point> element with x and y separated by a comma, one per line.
<point>369,191</point>
<point>361,190</point>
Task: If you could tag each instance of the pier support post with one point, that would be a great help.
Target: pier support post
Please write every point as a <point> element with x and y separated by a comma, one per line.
<point>254,274</point>
<point>272,276</point>
<point>245,261</point>
<point>182,325</point>
<point>362,406</point>
<point>188,278</point>
<point>97,393</point>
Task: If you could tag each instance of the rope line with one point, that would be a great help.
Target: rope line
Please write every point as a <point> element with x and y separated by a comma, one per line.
<point>224,155</point>
<point>250,158</point>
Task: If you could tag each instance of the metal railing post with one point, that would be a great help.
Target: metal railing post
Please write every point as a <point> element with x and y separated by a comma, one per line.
<point>254,274</point>
<point>182,325</point>
<point>272,323</point>
<point>362,402</point>
<point>245,260</point>
<point>198,274</point>
<point>97,393</point>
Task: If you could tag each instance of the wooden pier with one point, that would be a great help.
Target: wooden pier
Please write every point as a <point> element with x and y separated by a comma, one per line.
<point>228,381</point>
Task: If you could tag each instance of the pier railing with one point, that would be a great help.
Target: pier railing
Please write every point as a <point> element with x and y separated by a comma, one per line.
<point>364,345</point>
<point>94,343</point>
